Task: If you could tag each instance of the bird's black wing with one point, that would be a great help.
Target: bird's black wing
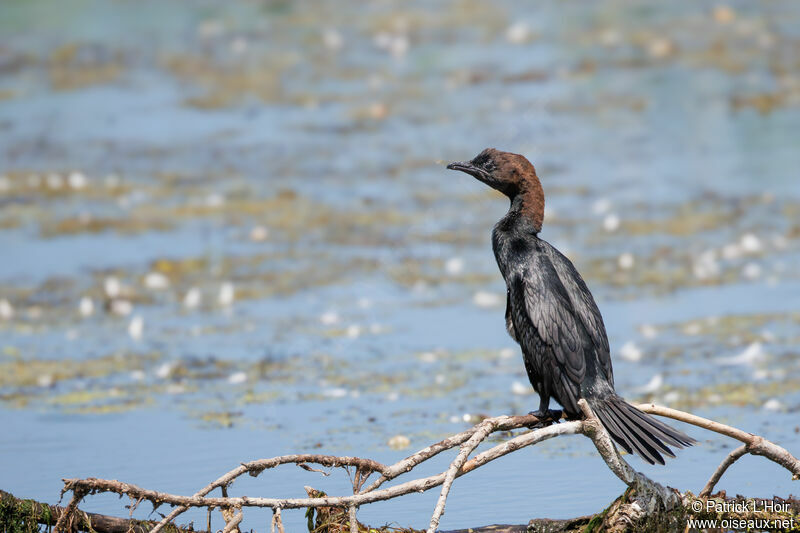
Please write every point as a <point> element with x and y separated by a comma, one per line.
<point>584,306</point>
<point>541,296</point>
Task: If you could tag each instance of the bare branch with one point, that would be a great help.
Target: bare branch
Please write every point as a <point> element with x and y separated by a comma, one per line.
<point>233,524</point>
<point>276,519</point>
<point>254,468</point>
<point>483,430</point>
<point>728,461</point>
<point>648,495</point>
<point>65,521</point>
<point>755,445</point>
<point>353,521</point>
<point>504,423</point>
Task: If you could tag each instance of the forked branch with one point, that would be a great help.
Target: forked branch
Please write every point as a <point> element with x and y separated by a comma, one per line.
<point>649,493</point>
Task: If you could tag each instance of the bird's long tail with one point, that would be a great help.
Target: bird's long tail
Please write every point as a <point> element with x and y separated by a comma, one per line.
<point>636,431</point>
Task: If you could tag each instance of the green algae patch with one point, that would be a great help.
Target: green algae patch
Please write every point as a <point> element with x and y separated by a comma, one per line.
<point>23,372</point>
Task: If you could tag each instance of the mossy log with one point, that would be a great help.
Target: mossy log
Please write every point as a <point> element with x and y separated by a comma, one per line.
<point>26,516</point>
<point>623,515</point>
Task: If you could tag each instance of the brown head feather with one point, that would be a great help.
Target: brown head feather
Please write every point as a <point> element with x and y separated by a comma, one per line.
<point>511,174</point>
<point>517,169</point>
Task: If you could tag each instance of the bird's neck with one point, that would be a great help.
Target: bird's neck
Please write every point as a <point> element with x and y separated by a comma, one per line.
<point>527,206</point>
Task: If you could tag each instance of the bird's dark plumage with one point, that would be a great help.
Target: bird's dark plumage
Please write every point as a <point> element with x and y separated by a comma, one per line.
<point>552,315</point>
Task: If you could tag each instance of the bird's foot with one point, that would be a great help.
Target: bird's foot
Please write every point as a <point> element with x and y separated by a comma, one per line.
<point>546,417</point>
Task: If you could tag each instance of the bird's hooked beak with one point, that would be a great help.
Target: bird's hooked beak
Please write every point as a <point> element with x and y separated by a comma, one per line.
<point>469,168</point>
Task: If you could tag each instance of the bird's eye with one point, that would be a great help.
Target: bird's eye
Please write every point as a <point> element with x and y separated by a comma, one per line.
<point>489,166</point>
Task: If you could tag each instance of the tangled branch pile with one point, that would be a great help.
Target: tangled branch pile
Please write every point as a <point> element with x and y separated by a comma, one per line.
<point>645,501</point>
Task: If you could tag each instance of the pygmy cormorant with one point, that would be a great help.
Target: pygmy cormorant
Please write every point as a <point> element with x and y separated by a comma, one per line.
<point>552,315</point>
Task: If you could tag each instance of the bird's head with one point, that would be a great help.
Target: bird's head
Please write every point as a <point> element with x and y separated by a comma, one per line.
<point>512,175</point>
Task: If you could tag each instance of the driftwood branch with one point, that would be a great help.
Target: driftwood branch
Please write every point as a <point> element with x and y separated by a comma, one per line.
<point>650,496</point>
<point>728,461</point>
<point>48,515</point>
<point>754,444</point>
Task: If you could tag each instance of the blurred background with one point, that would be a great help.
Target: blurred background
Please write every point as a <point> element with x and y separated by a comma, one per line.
<point>227,233</point>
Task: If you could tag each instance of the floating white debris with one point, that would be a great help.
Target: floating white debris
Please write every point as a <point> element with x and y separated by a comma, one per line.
<point>55,181</point>
<point>393,396</point>
<point>112,181</point>
<point>427,357</point>
<point>165,370</point>
<point>692,328</point>
<point>773,404</point>
<point>518,33</point>
<point>455,419</point>
<point>192,298</point>
<point>651,386</point>
<point>750,243</point>
<point>239,46</point>
<point>112,286</point>
<point>45,380</point>
<point>672,397</point>
<point>440,379</point>
<point>5,183</point>
<point>399,442</point>
<point>136,327</point>
<point>6,310</point>
<point>507,353</point>
<point>751,271</point>
<point>521,389</point>
<point>259,234</point>
<point>86,306</point>
<point>706,265</point>
<point>329,318</point>
<point>487,299</point>
<point>138,375</point>
<point>753,353</point>
<point>648,331</point>
<point>156,281</point>
<point>611,222</point>
<point>626,261</point>
<point>419,287</point>
<point>601,206</point>
<point>335,392</point>
<point>214,199</point>
<point>77,180</point>
<point>332,39</point>
<point>398,46</point>
<point>610,37</point>
<point>121,307</point>
<point>227,294</point>
<point>630,352</point>
<point>353,331</point>
<point>454,266</point>
<point>731,251</point>
<point>237,378</point>
<point>780,242</point>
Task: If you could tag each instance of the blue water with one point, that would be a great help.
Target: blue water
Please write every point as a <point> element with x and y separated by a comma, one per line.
<point>228,143</point>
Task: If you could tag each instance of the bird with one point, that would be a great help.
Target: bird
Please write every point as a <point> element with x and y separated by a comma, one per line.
<point>552,315</point>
